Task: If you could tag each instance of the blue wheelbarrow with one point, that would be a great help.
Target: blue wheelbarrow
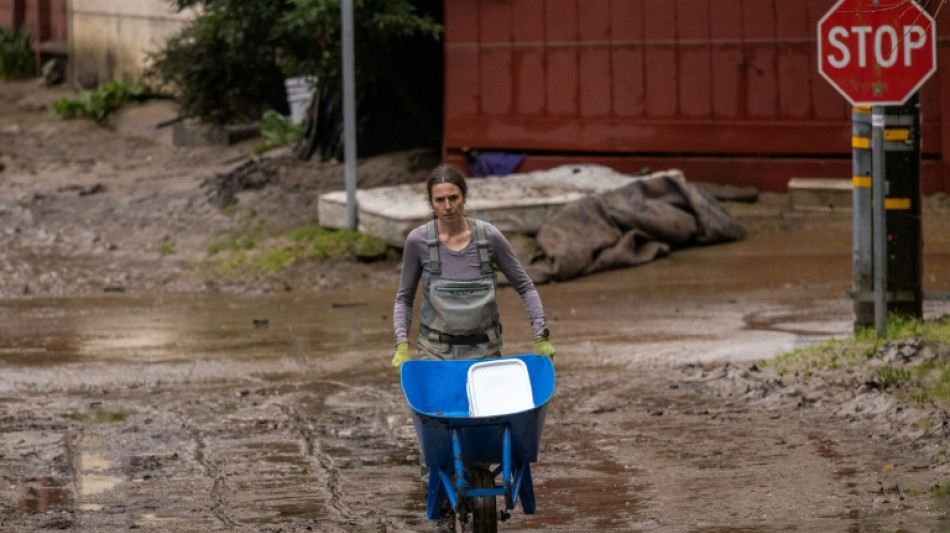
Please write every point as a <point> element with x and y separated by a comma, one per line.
<point>479,426</point>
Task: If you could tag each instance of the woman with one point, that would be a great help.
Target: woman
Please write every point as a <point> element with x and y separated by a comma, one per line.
<point>452,256</point>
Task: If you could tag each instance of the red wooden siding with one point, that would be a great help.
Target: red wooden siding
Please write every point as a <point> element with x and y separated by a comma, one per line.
<point>46,20</point>
<point>728,89</point>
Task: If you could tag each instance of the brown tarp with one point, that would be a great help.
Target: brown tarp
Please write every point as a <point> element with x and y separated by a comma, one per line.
<point>630,226</point>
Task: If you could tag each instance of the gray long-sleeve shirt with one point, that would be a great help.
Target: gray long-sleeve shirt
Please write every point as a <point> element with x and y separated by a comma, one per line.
<point>463,264</point>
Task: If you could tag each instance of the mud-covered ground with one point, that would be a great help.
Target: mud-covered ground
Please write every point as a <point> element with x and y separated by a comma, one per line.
<point>136,395</point>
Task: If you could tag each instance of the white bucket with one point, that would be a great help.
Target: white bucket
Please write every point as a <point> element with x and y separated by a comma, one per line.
<point>300,92</point>
<point>499,387</point>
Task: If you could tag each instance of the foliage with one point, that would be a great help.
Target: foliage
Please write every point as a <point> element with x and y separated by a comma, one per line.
<point>97,417</point>
<point>314,25</point>
<point>99,104</point>
<point>323,243</point>
<point>940,492</point>
<point>925,380</point>
<point>223,67</point>
<point>16,59</point>
<point>229,65</point>
<point>167,247</point>
<point>246,253</point>
<point>278,130</point>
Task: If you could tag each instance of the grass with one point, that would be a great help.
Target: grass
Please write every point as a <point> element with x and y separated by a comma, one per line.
<point>247,252</point>
<point>166,248</point>
<point>97,417</point>
<point>860,357</point>
<point>278,130</point>
<point>940,492</point>
<point>16,59</point>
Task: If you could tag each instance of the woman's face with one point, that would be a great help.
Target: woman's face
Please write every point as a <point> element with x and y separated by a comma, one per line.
<point>447,202</point>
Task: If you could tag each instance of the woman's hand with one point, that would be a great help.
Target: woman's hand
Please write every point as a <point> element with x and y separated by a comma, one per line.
<point>543,347</point>
<point>402,354</point>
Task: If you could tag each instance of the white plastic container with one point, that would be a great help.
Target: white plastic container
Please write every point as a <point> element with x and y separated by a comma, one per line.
<point>499,387</point>
<point>300,92</point>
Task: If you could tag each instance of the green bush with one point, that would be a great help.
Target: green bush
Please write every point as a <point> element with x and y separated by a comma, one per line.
<point>16,59</point>
<point>229,65</point>
<point>100,104</point>
<point>278,130</point>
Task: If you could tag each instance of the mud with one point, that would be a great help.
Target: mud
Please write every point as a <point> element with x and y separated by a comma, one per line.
<point>198,412</point>
<point>172,406</point>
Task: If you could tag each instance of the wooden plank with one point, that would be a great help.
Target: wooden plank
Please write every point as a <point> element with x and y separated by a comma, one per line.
<point>561,76</point>
<point>528,58</point>
<point>660,68</point>
<point>941,83</point>
<point>461,81</point>
<point>795,61</point>
<point>528,16</point>
<point>626,58</point>
<point>727,76</point>
<point>494,22</point>
<point>669,135</point>
<point>6,13</point>
<point>694,71</point>
<point>461,21</point>
<point>560,20</point>
<point>759,20</point>
<point>594,73</point>
<point>494,62</point>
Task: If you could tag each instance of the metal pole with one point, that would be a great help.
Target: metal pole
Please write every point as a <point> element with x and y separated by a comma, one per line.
<point>879,191</point>
<point>862,236</point>
<point>349,113</point>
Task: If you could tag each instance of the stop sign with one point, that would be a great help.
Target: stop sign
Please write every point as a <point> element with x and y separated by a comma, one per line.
<point>877,52</point>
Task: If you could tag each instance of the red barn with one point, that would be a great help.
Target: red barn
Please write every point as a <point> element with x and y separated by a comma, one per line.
<point>726,90</point>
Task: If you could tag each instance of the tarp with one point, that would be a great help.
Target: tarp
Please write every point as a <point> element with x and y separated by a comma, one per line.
<point>630,226</point>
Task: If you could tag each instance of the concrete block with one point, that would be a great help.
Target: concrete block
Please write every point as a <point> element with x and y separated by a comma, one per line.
<point>820,194</point>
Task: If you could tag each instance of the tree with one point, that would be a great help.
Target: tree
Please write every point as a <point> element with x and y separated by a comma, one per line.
<point>228,66</point>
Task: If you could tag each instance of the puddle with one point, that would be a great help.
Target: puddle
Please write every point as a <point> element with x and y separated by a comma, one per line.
<point>90,485</point>
<point>90,481</point>
<point>91,462</point>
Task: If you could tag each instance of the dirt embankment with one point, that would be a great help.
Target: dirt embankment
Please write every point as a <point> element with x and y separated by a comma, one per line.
<point>86,208</point>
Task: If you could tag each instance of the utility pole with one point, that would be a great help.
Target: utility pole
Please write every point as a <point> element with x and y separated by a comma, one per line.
<point>349,113</point>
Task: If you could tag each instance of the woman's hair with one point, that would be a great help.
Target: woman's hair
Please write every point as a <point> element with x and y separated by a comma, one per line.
<point>446,174</point>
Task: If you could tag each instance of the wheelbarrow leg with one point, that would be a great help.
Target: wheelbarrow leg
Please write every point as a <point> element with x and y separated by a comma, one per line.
<point>526,490</point>
<point>439,482</point>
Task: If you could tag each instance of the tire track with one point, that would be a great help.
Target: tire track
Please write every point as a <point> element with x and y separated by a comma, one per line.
<point>321,459</point>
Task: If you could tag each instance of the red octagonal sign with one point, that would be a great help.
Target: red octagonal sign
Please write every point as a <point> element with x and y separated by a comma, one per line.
<point>877,52</point>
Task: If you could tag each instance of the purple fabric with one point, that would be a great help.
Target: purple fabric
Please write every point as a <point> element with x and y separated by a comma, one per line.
<point>493,163</point>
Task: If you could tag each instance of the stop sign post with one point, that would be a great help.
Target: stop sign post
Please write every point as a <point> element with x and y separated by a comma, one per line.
<point>877,53</point>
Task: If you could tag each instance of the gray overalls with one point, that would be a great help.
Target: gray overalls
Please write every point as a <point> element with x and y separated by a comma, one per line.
<point>458,318</point>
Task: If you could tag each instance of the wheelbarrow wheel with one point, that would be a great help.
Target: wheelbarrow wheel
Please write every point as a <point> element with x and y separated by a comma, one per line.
<point>484,514</point>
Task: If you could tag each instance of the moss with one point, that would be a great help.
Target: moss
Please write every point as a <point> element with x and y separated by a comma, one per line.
<point>97,417</point>
<point>924,380</point>
<point>167,248</point>
<point>246,253</point>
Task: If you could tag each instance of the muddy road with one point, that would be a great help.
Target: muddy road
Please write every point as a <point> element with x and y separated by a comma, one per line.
<point>135,395</point>
<point>211,412</point>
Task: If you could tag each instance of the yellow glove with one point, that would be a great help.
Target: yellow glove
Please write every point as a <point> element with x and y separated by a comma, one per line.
<point>543,347</point>
<point>402,354</point>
